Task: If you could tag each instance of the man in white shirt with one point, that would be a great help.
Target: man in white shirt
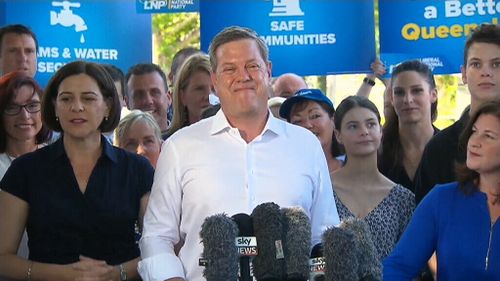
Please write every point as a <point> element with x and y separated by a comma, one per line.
<point>231,163</point>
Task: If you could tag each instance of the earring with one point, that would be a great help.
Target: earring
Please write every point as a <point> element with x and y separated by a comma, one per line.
<point>57,119</point>
<point>106,118</point>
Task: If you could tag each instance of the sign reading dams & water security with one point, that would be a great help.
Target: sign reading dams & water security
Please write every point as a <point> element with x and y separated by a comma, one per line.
<point>307,37</point>
<point>91,30</point>
<point>433,31</point>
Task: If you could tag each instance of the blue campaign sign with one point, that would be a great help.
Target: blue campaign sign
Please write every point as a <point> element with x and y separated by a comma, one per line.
<point>433,31</point>
<point>167,6</point>
<point>308,37</point>
<point>91,30</point>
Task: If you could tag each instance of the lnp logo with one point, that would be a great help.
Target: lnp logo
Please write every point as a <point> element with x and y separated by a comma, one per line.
<point>286,8</point>
<point>163,5</point>
<point>66,17</point>
<point>154,5</point>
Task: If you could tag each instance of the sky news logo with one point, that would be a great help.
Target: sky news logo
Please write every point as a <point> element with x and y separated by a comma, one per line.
<point>167,6</point>
<point>247,246</point>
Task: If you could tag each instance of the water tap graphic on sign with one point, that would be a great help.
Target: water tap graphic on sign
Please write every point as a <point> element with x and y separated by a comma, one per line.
<point>286,8</point>
<point>66,18</point>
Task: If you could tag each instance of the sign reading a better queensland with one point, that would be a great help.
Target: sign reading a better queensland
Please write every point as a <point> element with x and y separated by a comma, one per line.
<point>433,31</point>
<point>307,37</point>
<point>92,30</point>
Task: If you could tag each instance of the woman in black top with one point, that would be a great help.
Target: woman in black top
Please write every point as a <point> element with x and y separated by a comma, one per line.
<point>79,198</point>
<point>407,131</point>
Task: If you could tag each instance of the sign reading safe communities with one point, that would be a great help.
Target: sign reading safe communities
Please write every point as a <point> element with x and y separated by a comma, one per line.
<point>91,30</point>
<point>307,37</point>
<point>433,31</point>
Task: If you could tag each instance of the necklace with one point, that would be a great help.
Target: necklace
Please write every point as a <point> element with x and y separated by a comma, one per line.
<point>11,158</point>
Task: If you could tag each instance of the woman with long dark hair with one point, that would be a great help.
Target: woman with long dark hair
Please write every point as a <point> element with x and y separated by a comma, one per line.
<point>360,189</point>
<point>409,127</point>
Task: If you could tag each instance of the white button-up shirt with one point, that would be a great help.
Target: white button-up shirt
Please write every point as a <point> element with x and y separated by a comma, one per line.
<point>207,168</point>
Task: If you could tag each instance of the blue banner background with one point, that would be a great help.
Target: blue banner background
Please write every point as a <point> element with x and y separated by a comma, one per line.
<point>112,25</point>
<point>352,22</point>
<point>444,54</point>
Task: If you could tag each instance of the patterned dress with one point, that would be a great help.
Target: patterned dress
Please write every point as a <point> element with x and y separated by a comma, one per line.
<point>388,220</point>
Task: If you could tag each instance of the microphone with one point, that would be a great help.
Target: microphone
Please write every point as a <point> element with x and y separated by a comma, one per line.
<point>246,243</point>
<point>370,267</point>
<point>268,265</point>
<point>297,230</point>
<point>317,264</point>
<point>220,256</point>
<point>341,254</point>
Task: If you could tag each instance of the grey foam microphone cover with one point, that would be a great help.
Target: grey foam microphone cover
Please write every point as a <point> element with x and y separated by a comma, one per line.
<point>340,251</point>
<point>268,229</point>
<point>370,268</point>
<point>297,228</point>
<point>218,234</point>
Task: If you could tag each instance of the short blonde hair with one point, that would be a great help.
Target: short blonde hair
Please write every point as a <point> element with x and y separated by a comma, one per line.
<point>195,63</point>
<point>133,117</point>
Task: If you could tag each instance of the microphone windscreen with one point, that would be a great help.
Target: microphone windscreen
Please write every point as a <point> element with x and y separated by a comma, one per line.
<point>317,264</point>
<point>370,267</point>
<point>340,249</point>
<point>244,223</point>
<point>218,234</point>
<point>317,251</point>
<point>268,229</point>
<point>246,244</point>
<point>297,229</point>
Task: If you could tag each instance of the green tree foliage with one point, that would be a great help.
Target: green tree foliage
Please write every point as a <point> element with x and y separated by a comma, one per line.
<point>173,32</point>
<point>447,99</point>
